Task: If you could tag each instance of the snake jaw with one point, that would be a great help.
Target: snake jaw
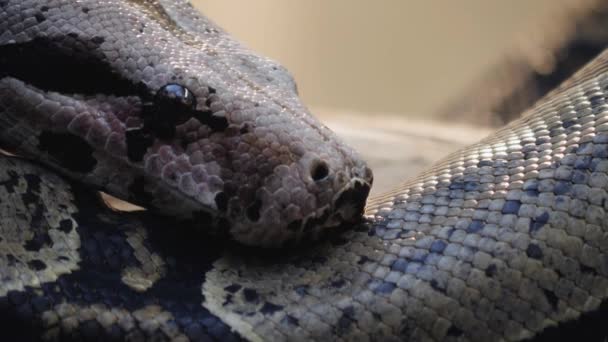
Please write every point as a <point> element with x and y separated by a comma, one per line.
<point>308,208</point>
<point>350,203</point>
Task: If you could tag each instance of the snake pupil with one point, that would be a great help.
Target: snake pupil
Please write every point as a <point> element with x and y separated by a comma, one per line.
<point>173,105</point>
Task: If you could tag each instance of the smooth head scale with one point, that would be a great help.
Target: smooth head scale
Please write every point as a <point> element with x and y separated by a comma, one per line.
<point>173,114</point>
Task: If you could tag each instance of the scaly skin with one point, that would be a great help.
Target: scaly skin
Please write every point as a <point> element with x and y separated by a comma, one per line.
<point>502,241</point>
<point>81,90</point>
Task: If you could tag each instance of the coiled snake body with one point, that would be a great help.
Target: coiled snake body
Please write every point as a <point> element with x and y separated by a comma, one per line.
<point>504,240</point>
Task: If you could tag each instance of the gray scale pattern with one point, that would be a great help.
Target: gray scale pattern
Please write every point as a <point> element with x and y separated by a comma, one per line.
<point>504,240</point>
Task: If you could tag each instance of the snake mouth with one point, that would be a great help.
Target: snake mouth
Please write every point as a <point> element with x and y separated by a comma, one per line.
<point>350,202</point>
<point>348,207</point>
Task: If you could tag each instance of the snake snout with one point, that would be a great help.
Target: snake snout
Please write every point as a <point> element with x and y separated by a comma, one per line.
<point>350,203</point>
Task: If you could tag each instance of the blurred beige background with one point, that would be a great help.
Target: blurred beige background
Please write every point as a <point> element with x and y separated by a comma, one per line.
<point>355,59</point>
<point>393,56</point>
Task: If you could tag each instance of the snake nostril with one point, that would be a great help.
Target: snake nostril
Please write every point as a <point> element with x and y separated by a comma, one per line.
<point>319,170</point>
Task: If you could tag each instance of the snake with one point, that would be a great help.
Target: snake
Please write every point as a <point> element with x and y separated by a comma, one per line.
<point>256,224</point>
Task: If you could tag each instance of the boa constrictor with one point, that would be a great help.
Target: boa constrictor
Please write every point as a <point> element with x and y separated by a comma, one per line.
<point>148,100</point>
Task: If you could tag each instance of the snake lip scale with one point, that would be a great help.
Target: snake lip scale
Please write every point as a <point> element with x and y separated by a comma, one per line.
<point>505,240</point>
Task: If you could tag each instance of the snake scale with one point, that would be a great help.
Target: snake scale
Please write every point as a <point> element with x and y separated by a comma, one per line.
<point>150,101</point>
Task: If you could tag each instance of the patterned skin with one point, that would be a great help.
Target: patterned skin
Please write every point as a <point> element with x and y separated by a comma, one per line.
<point>153,103</point>
<point>503,241</point>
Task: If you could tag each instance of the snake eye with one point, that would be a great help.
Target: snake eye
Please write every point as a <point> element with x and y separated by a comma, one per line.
<point>173,105</point>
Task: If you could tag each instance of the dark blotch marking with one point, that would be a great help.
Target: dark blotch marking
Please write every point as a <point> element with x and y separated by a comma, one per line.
<point>270,308</point>
<point>491,270</point>
<point>229,300</point>
<point>534,251</point>
<point>138,141</point>
<point>40,17</point>
<point>596,100</point>
<point>568,123</point>
<point>483,163</point>
<point>32,194</point>
<point>301,290</point>
<point>85,10</point>
<point>583,162</point>
<point>66,225</point>
<point>475,226</point>
<point>471,186</point>
<point>385,287</point>
<point>532,193</point>
<point>363,259</point>
<point>420,256</point>
<point>290,320</point>
<point>438,246</point>
<point>436,287</point>
<point>457,185</point>
<point>338,283</point>
<point>67,64</point>
<point>562,187</point>
<point>36,264</point>
<point>551,298</point>
<point>511,207</point>
<point>39,240</point>
<point>11,182</point>
<point>344,324</point>
<point>72,152</point>
<point>216,123</point>
<point>251,295</point>
<point>97,40</point>
<point>221,201</point>
<point>579,177</point>
<point>349,312</point>
<point>538,222</point>
<point>454,332</point>
<point>542,140</point>
<point>12,261</point>
<point>588,270</point>
<point>137,189</point>
<point>253,211</point>
<point>533,185</point>
<point>233,288</point>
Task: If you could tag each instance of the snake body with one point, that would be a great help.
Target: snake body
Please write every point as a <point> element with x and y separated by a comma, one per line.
<point>504,240</point>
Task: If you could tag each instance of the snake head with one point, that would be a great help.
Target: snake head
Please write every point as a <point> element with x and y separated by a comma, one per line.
<point>153,103</point>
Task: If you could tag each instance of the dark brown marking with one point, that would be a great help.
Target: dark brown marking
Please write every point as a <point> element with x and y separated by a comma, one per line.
<point>66,225</point>
<point>270,308</point>
<point>72,152</point>
<point>251,295</point>
<point>138,141</point>
<point>137,189</point>
<point>221,201</point>
<point>253,211</point>
<point>36,264</point>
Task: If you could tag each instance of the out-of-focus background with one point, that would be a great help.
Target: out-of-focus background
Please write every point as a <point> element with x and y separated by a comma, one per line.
<point>406,82</point>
